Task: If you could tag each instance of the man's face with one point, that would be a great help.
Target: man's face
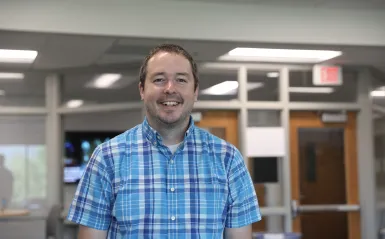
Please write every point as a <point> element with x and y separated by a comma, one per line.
<point>168,93</point>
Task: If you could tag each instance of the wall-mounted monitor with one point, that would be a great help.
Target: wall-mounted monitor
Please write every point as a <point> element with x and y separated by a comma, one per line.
<point>78,148</point>
<point>264,170</point>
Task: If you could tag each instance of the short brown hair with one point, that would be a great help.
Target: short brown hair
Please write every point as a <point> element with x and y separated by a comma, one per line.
<point>170,48</point>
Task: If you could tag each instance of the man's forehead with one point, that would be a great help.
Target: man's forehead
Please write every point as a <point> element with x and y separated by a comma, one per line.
<point>167,58</point>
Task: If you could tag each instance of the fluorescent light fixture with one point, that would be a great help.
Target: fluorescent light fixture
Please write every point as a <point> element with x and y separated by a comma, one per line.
<point>272,74</point>
<point>224,88</point>
<point>74,103</point>
<point>11,76</point>
<point>229,88</point>
<point>319,90</point>
<point>279,55</point>
<point>106,80</point>
<point>2,92</point>
<point>17,56</point>
<point>378,93</point>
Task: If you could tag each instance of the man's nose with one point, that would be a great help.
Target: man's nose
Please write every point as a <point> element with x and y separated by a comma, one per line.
<point>170,87</point>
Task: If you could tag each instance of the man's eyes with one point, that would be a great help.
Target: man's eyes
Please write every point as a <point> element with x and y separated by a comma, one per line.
<point>181,80</point>
<point>158,80</point>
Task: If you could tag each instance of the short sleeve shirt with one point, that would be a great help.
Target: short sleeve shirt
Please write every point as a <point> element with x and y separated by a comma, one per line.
<point>135,187</point>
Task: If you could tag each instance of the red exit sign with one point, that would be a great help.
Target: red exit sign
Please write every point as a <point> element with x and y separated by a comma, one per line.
<point>327,75</point>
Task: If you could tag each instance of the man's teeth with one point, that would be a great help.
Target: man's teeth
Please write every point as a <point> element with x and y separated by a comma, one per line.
<point>170,103</point>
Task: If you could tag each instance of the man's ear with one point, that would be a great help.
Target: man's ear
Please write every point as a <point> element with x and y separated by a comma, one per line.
<point>141,90</point>
<point>196,93</point>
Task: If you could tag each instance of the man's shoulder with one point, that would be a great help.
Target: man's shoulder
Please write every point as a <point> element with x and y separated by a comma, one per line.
<point>123,140</point>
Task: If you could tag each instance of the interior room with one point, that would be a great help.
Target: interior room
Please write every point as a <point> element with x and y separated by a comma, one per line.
<point>80,90</point>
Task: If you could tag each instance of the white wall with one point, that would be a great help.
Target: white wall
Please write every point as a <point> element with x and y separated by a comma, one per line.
<point>197,20</point>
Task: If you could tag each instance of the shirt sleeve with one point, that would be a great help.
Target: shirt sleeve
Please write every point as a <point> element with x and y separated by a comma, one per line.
<point>243,208</point>
<point>92,203</point>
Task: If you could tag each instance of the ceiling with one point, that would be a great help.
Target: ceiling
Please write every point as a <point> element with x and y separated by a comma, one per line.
<point>80,58</point>
<point>351,4</point>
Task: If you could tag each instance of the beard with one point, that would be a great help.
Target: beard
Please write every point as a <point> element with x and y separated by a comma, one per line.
<point>173,120</point>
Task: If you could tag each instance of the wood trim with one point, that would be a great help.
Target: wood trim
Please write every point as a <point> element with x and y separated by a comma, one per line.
<point>351,172</point>
<point>312,119</point>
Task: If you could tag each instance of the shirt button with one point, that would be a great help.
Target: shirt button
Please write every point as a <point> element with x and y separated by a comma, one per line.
<point>172,218</point>
<point>171,161</point>
<point>172,189</point>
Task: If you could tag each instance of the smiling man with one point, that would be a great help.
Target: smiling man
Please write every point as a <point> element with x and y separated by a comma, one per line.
<point>166,178</point>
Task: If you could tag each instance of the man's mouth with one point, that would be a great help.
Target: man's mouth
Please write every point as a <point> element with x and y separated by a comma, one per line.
<point>170,103</point>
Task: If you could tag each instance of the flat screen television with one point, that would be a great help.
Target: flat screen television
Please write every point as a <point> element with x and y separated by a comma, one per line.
<point>78,148</point>
<point>264,170</point>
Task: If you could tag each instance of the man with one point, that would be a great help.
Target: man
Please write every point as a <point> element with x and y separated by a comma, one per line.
<point>6,184</point>
<point>166,178</point>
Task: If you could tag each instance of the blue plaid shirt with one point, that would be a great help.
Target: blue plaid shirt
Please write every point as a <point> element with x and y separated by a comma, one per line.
<point>134,187</point>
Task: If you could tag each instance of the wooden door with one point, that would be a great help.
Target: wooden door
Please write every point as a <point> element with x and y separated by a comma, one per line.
<point>223,124</point>
<point>324,174</point>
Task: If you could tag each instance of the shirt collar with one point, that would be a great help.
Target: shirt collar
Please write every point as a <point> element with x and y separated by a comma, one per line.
<point>154,137</point>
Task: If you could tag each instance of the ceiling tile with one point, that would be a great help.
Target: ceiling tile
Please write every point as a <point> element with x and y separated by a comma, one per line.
<point>72,51</point>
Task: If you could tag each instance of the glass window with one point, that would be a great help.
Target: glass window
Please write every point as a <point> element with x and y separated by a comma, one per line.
<point>100,88</point>
<point>264,118</point>
<point>263,85</point>
<point>302,88</point>
<point>22,145</point>
<point>218,85</point>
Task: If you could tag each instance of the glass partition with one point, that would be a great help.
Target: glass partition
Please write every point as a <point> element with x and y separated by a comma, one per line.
<point>262,85</point>
<point>218,85</point>
<point>24,170</point>
<point>83,89</point>
<point>303,89</point>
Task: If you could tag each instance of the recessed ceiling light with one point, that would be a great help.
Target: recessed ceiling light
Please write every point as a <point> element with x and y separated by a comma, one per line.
<point>272,74</point>
<point>279,55</point>
<point>74,103</point>
<point>17,56</point>
<point>320,90</point>
<point>105,80</point>
<point>229,88</point>
<point>378,93</point>
<point>11,76</point>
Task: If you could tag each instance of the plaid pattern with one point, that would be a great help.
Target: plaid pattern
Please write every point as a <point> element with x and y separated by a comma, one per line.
<point>135,188</point>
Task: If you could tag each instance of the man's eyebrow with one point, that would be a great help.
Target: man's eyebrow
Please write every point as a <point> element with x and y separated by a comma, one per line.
<point>163,74</point>
<point>158,74</point>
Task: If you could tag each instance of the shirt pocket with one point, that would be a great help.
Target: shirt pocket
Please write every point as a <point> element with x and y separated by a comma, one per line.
<point>208,204</point>
<point>133,208</point>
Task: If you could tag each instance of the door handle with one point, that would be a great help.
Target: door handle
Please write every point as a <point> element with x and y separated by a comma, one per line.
<point>294,209</point>
<point>329,208</point>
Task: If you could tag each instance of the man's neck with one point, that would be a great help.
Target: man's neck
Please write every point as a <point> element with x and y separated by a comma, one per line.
<point>171,134</point>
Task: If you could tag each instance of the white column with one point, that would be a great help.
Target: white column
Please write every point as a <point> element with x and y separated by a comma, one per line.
<point>243,114</point>
<point>286,170</point>
<point>53,142</point>
<point>366,170</point>
<point>274,223</point>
